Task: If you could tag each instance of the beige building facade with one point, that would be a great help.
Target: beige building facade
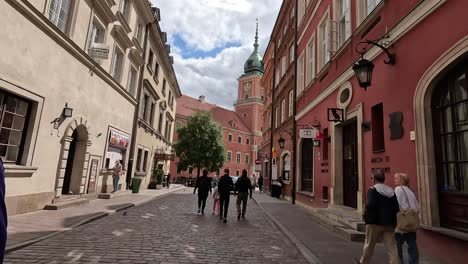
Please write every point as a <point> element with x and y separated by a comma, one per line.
<point>69,78</point>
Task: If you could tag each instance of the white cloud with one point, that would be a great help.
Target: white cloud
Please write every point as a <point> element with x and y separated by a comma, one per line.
<point>205,25</point>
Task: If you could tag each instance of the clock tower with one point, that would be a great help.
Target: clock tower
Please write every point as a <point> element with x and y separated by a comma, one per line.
<point>249,105</point>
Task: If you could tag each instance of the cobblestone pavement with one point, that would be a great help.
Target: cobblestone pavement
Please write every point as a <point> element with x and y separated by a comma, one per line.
<point>166,230</point>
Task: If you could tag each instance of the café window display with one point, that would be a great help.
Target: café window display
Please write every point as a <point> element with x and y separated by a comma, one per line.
<point>116,149</point>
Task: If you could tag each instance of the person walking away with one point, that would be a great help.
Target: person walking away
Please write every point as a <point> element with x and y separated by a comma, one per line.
<point>253,182</point>
<point>260,183</point>
<point>407,200</point>
<point>168,180</point>
<point>225,185</point>
<point>380,218</point>
<point>243,188</point>
<point>116,175</point>
<point>3,213</point>
<point>215,200</point>
<point>204,187</point>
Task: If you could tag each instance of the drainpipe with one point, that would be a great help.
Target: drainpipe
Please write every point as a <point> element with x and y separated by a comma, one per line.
<point>137,111</point>
<point>293,193</point>
<point>272,116</point>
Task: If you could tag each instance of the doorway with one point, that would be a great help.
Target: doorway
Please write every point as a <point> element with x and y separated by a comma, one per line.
<point>307,165</point>
<point>350,165</point>
<point>73,183</point>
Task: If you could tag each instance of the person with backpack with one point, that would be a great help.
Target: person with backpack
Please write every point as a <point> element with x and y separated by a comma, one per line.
<point>225,185</point>
<point>381,219</point>
<point>204,186</point>
<point>242,189</point>
<point>407,201</point>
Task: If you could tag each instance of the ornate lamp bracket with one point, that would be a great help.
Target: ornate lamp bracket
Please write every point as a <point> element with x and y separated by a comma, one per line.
<point>383,46</point>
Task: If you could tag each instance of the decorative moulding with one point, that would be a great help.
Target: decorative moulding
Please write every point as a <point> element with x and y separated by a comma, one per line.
<point>136,57</point>
<point>123,22</point>
<point>121,36</point>
<point>104,11</point>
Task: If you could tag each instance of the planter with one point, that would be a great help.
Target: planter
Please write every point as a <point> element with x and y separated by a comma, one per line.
<point>158,186</point>
<point>136,182</point>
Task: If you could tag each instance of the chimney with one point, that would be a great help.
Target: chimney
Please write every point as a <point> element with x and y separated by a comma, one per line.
<point>201,98</point>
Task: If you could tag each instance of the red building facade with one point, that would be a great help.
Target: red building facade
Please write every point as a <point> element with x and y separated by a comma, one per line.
<point>412,119</point>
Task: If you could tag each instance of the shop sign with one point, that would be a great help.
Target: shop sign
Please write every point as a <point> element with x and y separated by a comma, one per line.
<point>307,133</point>
<point>99,51</point>
<point>118,140</point>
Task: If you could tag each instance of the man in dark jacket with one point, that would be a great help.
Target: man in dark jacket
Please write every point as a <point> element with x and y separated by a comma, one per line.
<point>380,217</point>
<point>243,188</point>
<point>225,185</point>
<point>204,186</point>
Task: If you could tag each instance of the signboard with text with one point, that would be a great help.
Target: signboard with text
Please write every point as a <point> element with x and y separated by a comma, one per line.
<point>99,51</point>
<point>307,133</point>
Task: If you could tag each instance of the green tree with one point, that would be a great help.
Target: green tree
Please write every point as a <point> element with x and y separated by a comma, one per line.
<point>200,144</point>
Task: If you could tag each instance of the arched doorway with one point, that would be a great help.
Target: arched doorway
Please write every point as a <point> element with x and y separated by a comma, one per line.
<point>72,181</point>
<point>450,130</point>
<point>307,165</point>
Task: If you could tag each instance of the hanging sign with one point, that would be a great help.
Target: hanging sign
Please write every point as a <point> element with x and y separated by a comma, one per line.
<point>307,133</point>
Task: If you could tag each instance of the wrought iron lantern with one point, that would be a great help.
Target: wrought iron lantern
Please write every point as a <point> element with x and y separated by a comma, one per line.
<point>281,141</point>
<point>67,111</point>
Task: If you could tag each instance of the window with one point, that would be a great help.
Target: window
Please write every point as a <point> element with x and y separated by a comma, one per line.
<point>145,161</point>
<point>247,158</point>
<point>138,161</point>
<point>277,80</point>
<point>170,101</point>
<point>247,141</point>
<point>344,21</point>
<point>125,9</point>
<point>145,107</point>
<point>283,109</point>
<point>239,139</point>
<point>13,119</point>
<point>150,58</point>
<point>139,32</point>
<point>283,66</point>
<point>300,79</point>
<point>276,117</point>
<point>96,35</point>
<point>164,87</point>
<point>152,110</point>
<point>291,104</point>
<point>132,79</point>
<point>59,13</point>
<point>378,140</point>
<point>237,172</point>
<point>292,12</point>
<point>324,42</point>
<point>307,165</point>
<point>156,71</point>
<point>291,54</point>
<point>161,120</point>
<point>166,131</point>
<point>371,5</point>
<point>300,11</point>
<point>230,137</point>
<point>229,156</point>
<point>310,60</point>
<point>117,64</point>
<point>238,157</point>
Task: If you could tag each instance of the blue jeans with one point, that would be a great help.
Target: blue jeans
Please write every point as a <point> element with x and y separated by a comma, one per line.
<point>410,239</point>
<point>115,182</point>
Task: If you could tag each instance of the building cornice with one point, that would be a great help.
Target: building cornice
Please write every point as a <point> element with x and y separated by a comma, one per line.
<point>136,57</point>
<point>39,20</point>
<point>119,34</point>
<point>123,22</point>
<point>144,10</point>
<point>104,11</point>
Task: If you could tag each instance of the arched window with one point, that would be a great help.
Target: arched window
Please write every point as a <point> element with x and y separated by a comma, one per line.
<point>450,116</point>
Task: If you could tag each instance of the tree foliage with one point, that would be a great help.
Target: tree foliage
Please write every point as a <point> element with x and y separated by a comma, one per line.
<point>200,144</point>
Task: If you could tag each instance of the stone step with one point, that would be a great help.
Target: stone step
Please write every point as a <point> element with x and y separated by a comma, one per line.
<point>345,217</point>
<point>350,234</point>
<point>344,231</point>
<point>66,204</point>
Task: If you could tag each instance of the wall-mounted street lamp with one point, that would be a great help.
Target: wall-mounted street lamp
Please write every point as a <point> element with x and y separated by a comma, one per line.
<point>335,115</point>
<point>281,141</point>
<point>363,68</point>
<point>67,111</point>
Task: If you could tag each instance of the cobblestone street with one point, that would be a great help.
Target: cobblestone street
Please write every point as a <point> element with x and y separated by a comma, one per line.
<point>166,230</point>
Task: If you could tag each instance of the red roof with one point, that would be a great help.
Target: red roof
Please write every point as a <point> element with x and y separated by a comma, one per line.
<point>187,106</point>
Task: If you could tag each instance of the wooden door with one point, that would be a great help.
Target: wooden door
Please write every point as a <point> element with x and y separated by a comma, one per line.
<point>350,168</point>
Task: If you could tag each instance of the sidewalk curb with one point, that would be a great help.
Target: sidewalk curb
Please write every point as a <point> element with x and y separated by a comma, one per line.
<point>308,255</point>
<point>88,220</point>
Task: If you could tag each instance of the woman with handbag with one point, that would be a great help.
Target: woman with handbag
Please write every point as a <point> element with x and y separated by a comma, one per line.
<point>407,218</point>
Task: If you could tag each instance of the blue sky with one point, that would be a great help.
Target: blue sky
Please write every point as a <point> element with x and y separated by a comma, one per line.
<point>211,40</point>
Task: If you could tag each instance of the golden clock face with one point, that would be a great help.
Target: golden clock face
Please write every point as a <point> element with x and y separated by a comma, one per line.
<point>247,86</point>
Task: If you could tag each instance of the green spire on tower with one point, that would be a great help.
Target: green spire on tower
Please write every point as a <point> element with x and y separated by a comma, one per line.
<point>256,37</point>
<point>254,64</point>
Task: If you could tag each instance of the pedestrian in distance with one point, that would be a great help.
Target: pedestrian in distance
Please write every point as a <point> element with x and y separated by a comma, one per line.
<point>168,180</point>
<point>243,189</point>
<point>204,187</point>
<point>253,181</point>
<point>260,183</point>
<point>215,201</point>
<point>225,186</point>
<point>3,213</point>
<point>117,171</point>
<point>380,218</point>
<point>407,201</point>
